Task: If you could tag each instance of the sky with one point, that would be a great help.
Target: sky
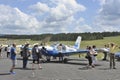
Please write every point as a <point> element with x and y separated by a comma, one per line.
<point>58,16</point>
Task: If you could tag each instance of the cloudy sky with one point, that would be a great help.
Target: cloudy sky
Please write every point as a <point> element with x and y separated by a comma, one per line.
<point>58,16</point>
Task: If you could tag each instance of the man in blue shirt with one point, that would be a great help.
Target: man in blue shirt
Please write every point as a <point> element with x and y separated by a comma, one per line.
<point>13,57</point>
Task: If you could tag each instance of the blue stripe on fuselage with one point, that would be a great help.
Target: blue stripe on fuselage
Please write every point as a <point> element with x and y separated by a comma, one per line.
<point>52,52</point>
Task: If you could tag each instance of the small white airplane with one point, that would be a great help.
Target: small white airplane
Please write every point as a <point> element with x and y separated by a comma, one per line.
<point>65,51</point>
<point>104,49</point>
<point>107,50</point>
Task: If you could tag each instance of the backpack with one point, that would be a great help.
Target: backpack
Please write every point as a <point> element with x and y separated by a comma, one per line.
<point>25,52</point>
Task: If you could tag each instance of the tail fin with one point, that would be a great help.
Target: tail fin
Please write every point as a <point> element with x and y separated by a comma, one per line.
<point>77,43</point>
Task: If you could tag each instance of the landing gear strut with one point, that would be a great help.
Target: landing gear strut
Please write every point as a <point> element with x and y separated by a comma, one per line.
<point>65,60</point>
<point>48,58</point>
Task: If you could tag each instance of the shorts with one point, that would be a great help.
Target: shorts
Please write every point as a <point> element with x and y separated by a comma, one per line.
<point>13,62</point>
<point>38,61</point>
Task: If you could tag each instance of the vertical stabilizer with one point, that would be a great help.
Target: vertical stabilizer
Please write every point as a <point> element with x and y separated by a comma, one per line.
<point>77,43</point>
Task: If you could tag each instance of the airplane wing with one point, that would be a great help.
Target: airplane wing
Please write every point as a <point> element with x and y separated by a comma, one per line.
<point>103,50</point>
<point>64,53</point>
<point>74,52</point>
<point>117,55</point>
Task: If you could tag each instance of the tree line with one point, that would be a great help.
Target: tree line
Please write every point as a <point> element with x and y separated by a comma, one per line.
<point>63,36</point>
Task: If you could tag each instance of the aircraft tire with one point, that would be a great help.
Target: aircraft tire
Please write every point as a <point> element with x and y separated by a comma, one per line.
<point>48,60</point>
<point>118,59</point>
<point>65,60</point>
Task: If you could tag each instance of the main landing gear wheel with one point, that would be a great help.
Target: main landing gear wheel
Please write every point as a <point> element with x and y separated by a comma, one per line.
<point>65,60</point>
<point>48,58</point>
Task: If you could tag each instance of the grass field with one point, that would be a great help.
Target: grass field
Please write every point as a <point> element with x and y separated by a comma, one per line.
<point>101,43</point>
<point>98,43</point>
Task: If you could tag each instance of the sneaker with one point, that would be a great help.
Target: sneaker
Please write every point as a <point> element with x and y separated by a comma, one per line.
<point>93,66</point>
<point>114,68</point>
<point>104,59</point>
<point>40,67</point>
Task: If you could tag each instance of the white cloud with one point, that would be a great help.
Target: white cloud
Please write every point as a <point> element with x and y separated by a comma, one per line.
<point>59,17</point>
<point>109,16</point>
<point>42,18</point>
<point>39,8</point>
<point>102,2</point>
<point>70,5</point>
<point>12,20</point>
<point>65,9</point>
<point>83,28</point>
<point>80,26</point>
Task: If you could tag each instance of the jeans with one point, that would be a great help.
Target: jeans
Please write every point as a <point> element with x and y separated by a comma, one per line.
<point>25,60</point>
<point>112,60</point>
<point>105,55</point>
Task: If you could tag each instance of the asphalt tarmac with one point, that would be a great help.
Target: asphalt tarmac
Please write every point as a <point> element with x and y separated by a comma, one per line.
<point>75,69</point>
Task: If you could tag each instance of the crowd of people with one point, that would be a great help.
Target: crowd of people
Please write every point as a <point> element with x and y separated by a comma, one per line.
<point>25,52</point>
<point>91,55</point>
<point>108,50</point>
<point>36,52</point>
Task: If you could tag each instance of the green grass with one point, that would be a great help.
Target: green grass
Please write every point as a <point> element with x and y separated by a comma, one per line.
<point>98,43</point>
<point>102,42</point>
